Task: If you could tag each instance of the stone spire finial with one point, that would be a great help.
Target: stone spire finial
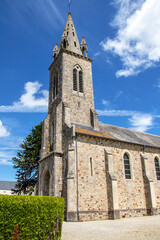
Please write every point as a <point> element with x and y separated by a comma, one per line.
<point>84,46</point>
<point>55,51</point>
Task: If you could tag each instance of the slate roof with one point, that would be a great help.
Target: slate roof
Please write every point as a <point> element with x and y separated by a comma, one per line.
<point>7,185</point>
<point>120,134</point>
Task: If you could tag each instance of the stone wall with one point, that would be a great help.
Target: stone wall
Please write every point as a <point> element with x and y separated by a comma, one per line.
<point>96,193</point>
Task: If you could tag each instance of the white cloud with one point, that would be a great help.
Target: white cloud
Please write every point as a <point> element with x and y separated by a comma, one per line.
<point>107,104</point>
<point>141,122</point>
<point>8,149</point>
<point>46,13</point>
<point>137,39</point>
<point>41,13</point>
<point>29,101</point>
<point>158,83</point>
<point>6,156</point>
<point>116,113</point>
<point>125,9</point>
<point>52,7</point>
<point>5,162</point>
<point>138,121</point>
<point>11,143</point>
<point>97,54</point>
<point>3,130</point>
<point>118,94</point>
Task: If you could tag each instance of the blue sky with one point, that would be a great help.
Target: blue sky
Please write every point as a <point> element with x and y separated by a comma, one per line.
<point>123,38</point>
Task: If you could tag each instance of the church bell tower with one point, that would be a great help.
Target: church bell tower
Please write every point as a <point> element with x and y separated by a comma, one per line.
<point>71,76</point>
<point>71,102</point>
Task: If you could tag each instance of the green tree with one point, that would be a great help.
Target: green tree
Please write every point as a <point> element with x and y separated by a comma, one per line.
<point>26,162</point>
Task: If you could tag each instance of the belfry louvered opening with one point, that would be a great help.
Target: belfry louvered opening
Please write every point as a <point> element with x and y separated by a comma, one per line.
<point>80,81</point>
<point>157,168</point>
<point>127,166</point>
<point>77,79</point>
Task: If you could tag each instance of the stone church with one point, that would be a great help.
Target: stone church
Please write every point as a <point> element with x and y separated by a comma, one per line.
<point>102,171</point>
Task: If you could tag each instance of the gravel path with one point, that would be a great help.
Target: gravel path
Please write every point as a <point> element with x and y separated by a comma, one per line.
<point>142,228</point>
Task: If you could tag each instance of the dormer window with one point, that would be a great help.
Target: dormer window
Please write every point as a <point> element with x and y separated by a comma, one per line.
<point>77,79</point>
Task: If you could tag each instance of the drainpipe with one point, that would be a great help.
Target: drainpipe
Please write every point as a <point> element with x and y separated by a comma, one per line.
<point>144,149</point>
<point>77,177</point>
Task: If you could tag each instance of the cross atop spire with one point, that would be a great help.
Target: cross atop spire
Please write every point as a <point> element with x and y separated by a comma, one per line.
<point>69,6</point>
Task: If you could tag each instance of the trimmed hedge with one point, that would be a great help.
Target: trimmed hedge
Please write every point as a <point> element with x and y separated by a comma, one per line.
<point>31,217</point>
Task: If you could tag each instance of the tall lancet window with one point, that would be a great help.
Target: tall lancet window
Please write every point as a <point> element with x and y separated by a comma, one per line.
<point>127,166</point>
<point>75,79</point>
<point>157,168</point>
<point>78,79</point>
<point>55,85</point>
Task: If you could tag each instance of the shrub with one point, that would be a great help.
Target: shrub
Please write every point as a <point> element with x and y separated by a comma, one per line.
<point>31,217</point>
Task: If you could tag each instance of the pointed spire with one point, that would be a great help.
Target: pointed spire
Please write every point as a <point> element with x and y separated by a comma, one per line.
<point>55,51</point>
<point>83,41</point>
<point>84,48</point>
<point>69,39</point>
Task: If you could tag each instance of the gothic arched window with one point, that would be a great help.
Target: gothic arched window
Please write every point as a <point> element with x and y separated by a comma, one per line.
<point>75,79</point>
<point>157,168</point>
<point>55,85</point>
<point>78,79</point>
<point>127,166</point>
